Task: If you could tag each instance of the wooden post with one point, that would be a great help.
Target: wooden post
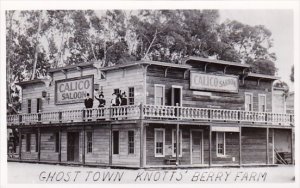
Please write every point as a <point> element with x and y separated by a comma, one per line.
<point>273,146</point>
<point>83,146</point>
<point>267,146</point>
<point>110,145</point>
<point>240,146</point>
<point>142,137</point>
<point>59,145</point>
<point>292,145</point>
<point>210,144</point>
<point>39,144</point>
<point>177,144</point>
<point>20,144</point>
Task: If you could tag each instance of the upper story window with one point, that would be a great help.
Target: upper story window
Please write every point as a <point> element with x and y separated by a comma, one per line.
<point>131,95</point>
<point>248,102</point>
<point>38,105</point>
<point>29,106</point>
<point>159,94</point>
<point>261,102</point>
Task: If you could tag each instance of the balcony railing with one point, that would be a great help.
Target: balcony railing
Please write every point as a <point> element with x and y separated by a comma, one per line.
<point>154,112</point>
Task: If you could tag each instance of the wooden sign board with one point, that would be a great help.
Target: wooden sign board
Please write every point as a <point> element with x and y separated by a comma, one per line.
<point>225,129</point>
<point>74,90</point>
<point>210,82</point>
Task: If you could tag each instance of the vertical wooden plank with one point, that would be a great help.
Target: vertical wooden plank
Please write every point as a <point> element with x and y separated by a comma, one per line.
<point>273,146</point>
<point>210,144</point>
<point>177,144</point>
<point>59,145</point>
<point>110,145</point>
<point>83,146</point>
<point>20,144</point>
<point>267,145</point>
<point>39,144</point>
<point>240,146</point>
<point>292,145</point>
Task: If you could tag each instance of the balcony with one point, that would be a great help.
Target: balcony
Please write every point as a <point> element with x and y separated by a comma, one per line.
<point>154,112</point>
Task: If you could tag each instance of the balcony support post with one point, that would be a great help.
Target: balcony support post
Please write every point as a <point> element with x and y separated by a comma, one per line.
<point>110,145</point>
<point>210,144</point>
<point>240,146</point>
<point>20,144</point>
<point>83,146</point>
<point>39,144</point>
<point>267,145</point>
<point>292,146</point>
<point>177,144</point>
<point>142,138</point>
<point>59,145</point>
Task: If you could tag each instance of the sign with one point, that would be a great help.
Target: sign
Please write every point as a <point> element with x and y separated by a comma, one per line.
<point>225,129</point>
<point>209,82</point>
<point>74,90</point>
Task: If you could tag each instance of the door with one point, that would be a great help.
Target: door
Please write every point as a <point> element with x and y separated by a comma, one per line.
<point>176,96</point>
<point>196,146</point>
<point>73,146</point>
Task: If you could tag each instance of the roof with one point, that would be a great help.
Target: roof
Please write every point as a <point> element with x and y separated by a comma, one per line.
<point>190,59</point>
<point>29,82</point>
<point>262,76</point>
<point>80,65</point>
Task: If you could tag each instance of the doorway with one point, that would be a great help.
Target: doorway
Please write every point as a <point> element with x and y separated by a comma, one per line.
<point>176,96</point>
<point>73,146</point>
<point>196,140</point>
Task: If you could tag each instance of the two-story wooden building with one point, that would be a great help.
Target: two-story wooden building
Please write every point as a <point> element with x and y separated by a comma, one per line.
<point>215,112</point>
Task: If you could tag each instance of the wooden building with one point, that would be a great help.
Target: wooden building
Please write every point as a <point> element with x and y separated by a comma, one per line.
<point>215,112</point>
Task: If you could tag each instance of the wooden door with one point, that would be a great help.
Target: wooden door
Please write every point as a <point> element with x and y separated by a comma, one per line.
<point>196,144</point>
<point>73,146</point>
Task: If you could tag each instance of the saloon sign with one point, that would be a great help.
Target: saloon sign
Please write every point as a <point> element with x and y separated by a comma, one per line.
<point>209,82</point>
<point>73,90</point>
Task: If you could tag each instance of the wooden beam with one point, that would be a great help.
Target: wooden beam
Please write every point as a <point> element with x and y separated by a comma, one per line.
<point>267,145</point>
<point>110,145</point>
<point>292,145</point>
<point>83,146</point>
<point>177,144</point>
<point>240,146</point>
<point>273,146</point>
<point>59,145</point>
<point>39,144</point>
<point>142,163</point>
<point>20,144</point>
<point>210,144</point>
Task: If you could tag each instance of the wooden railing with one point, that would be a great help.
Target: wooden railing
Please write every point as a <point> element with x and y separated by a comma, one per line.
<point>155,112</point>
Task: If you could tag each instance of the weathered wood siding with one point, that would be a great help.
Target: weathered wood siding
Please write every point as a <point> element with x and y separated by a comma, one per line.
<point>47,146</point>
<point>121,79</point>
<point>235,101</point>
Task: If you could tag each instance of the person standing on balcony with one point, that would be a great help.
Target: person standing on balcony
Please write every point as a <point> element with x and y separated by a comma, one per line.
<point>101,100</point>
<point>123,99</point>
<point>88,102</point>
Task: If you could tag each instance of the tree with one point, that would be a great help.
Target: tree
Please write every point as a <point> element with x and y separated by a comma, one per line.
<point>292,74</point>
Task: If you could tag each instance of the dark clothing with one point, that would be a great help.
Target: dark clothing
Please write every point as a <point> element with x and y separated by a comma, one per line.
<point>89,103</point>
<point>102,102</point>
<point>123,101</point>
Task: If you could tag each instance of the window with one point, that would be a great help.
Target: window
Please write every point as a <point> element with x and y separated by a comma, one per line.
<point>36,142</point>
<point>248,102</point>
<point>220,143</point>
<point>115,142</point>
<point>159,142</point>
<point>29,106</point>
<point>28,142</point>
<point>159,94</point>
<point>174,143</point>
<point>131,95</point>
<point>261,102</point>
<point>38,105</point>
<point>57,142</point>
<point>130,142</point>
<point>89,136</point>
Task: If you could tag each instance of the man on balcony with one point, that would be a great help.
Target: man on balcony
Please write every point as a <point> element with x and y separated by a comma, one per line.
<point>88,102</point>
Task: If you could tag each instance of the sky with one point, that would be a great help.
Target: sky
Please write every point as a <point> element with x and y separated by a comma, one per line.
<point>280,23</point>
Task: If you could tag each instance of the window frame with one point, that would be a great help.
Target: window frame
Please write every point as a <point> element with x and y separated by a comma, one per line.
<point>163,147</point>
<point>173,142</point>
<point>163,94</point>
<point>28,142</point>
<point>89,141</point>
<point>129,147</point>
<point>56,141</point>
<point>251,98</point>
<point>130,97</point>
<point>224,144</point>
<point>265,102</point>
<point>29,106</point>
